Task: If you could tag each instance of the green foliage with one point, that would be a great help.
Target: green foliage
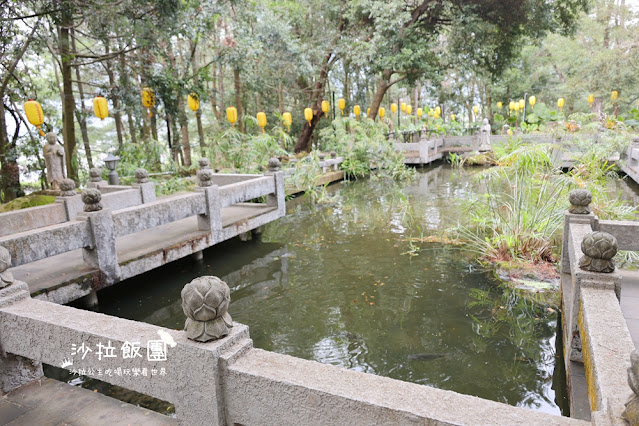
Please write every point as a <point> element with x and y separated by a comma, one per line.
<point>363,144</point>
<point>245,153</point>
<point>31,200</point>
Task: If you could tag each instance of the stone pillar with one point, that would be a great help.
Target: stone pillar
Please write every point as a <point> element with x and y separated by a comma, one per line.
<point>211,220</point>
<point>147,189</point>
<point>278,198</point>
<point>579,212</point>
<point>15,370</point>
<point>68,197</point>
<point>102,255</point>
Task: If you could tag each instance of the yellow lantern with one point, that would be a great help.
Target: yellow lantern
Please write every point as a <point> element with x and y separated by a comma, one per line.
<point>341,104</point>
<point>409,109</point>
<point>357,110</point>
<point>393,108</point>
<point>516,107</point>
<point>452,117</point>
<point>561,102</point>
<point>261,120</point>
<point>532,101</point>
<point>100,107</point>
<point>325,107</point>
<point>511,105</point>
<point>288,119</point>
<point>231,115</point>
<point>438,110</point>
<point>476,109</point>
<point>500,105</point>
<point>34,114</point>
<point>402,106</point>
<point>509,132</point>
<point>614,95</point>
<point>420,112</point>
<point>591,99</point>
<point>308,115</point>
<point>431,112</point>
<point>368,111</point>
<point>436,114</point>
<point>148,99</point>
<point>194,101</point>
<point>381,112</point>
<point>522,104</point>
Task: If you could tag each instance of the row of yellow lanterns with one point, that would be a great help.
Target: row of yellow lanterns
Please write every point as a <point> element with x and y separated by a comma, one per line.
<point>35,115</point>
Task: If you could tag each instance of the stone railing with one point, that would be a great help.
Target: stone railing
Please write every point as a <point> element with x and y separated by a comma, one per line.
<point>224,381</point>
<point>96,228</point>
<point>68,206</point>
<point>594,328</point>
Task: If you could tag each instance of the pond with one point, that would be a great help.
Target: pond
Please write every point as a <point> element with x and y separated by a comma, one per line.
<point>353,281</point>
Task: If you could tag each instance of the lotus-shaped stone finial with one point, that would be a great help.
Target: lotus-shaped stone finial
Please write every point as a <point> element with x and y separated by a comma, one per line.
<point>205,302</point>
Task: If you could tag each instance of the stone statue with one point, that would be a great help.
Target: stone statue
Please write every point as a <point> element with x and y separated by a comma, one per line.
<point>631,413</point>
<point>205,302</point>
<point>6,277</point>
<point>484,136</point>
<point>204,163</point>
<point>91,198</point>
<point>96,174</point>
<point>54,161</point>
<point>205,174</point>
<point>141,176</point>
<point>67,187</point>
<point>579,201</point>
<point>599,248</point>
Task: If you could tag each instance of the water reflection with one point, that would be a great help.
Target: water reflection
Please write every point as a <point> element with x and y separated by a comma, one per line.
<point>330,283</point>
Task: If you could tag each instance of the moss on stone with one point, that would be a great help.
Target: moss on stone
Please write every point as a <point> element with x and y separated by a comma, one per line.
<point>31,200</point>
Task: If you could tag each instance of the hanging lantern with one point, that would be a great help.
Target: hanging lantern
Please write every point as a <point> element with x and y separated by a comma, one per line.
<point>402,106</point>
<point>522,104</point>
<point>500,105</point>
<point>148,99</point>
<point>452,117</point>
<point>516,107</point>
<point>308,115</point>
<point>591,99</point>
<point>614,95</point>
<point>381,112</point>
<point>420,112</point>
<point>341,104</point>
<point>409,109</point>
<point>261,120</point>
<point>436,114</point>
<point>100,107</point>
<point>393,108</point>
<point>288,120</point>
<point>194,101</point>
<point>561,102</point>
<point>34,114</point>
<point>325,107</point>
<point>509,132</point>
<point>476,109</point>
<point>532,101</point>
<point>511,105</point>
<point>357,110</point>
<point>438,110</point>
<point>231,115</point>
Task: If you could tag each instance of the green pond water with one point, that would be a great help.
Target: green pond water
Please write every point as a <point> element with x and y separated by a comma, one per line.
<point>338,282</point>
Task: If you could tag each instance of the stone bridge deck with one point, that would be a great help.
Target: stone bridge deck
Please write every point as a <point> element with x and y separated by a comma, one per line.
<point>47,402</point>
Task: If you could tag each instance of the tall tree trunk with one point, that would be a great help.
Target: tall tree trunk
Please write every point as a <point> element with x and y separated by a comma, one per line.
<point>184,130</point>
<point>304,141</point>
<point>238,97</point>
<point>280,98</point>
<point>126,86</point>
<point>68,102</point>
<point>198,113</point>
<point>80,113</point>
<point>383,85</point>
<point>221,102</point>
<point>113,87</point>
<point>9,172</point>
<point>347,79</point>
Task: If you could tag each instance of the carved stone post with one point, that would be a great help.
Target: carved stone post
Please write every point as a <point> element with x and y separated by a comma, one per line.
<point>631,413</point>
<point>15,370</point>
<point>579,212</point>
<point>147,189</point>
<point>599,248</point>
<point>278,198</point>
<point>96,178</point>
<point>205,302</point>
<point>69,198</point>
<point>102,255</point>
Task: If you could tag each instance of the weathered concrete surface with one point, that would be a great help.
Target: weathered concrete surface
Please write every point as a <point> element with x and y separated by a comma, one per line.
<point>31,218</point>
<point>630,303</point>
<point>267,388</point>
<point>246,190</point>
<point>192,379</point>
<point>47,402</point>
<point>101,254</point>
